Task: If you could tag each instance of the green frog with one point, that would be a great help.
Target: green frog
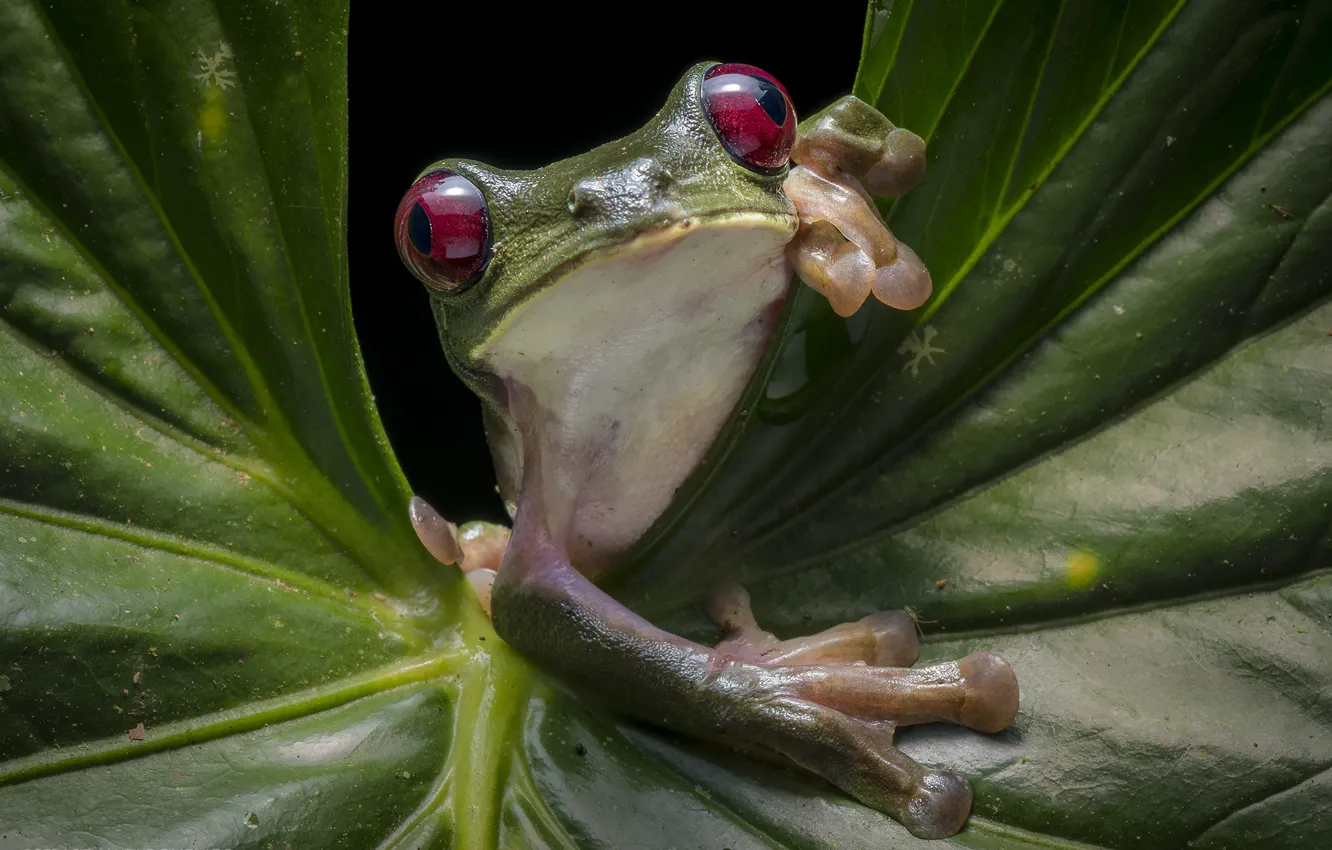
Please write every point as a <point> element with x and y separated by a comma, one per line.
<point>609,310</point>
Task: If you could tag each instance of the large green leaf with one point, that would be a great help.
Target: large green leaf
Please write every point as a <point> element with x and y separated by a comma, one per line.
<point>1110,431</point>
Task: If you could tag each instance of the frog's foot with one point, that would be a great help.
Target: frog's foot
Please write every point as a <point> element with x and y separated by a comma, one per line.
<point>843,249</point>
<point>860,706</point>
<point>476,548</point>
<point>821,702</point>
<point>883,639</point>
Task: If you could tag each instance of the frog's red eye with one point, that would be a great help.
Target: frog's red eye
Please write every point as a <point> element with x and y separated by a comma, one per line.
<point>751,113</point>
<point>443,231</point>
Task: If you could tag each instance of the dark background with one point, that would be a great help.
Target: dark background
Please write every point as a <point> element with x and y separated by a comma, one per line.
<point>486,81</point>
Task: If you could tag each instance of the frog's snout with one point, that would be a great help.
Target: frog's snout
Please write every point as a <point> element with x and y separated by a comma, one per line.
<point>637,190</point>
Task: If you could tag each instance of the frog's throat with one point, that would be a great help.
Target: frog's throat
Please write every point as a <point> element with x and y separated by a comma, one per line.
<point>645,244</point>
<point>633,363</point>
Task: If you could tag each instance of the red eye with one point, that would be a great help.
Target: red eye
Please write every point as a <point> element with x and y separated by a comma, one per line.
<point>751,113</point>
<point>443,231</point>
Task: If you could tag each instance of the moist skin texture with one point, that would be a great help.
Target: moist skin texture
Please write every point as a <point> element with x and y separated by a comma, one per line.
<point>634,361</point>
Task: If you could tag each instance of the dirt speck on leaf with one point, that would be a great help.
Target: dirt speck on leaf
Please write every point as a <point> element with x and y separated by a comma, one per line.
<point>137,733</point>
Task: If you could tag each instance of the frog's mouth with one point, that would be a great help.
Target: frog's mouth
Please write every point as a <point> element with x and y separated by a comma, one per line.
<point>633,360</point>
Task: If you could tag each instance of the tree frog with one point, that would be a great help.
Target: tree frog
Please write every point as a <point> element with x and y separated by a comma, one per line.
<point>609,310</point>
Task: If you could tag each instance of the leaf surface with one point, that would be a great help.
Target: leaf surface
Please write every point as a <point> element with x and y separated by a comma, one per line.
<point>1108,434</point>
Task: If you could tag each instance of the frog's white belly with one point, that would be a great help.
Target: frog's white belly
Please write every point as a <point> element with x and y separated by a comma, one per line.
<point>635,360</point>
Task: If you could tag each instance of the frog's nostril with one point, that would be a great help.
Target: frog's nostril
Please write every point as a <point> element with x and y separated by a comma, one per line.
<point>583,199</point>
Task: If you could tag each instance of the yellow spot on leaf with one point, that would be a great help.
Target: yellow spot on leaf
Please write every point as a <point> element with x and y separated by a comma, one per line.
<point>1082,568</point>
<point>212,120</point>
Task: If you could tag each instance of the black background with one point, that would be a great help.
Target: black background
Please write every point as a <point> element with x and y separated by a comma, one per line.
<point>517,90</point>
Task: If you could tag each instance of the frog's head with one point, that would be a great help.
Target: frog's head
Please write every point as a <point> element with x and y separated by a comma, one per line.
<point>490,244</point>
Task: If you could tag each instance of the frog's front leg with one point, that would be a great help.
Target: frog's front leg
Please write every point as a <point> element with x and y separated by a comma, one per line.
<point>845,154</point>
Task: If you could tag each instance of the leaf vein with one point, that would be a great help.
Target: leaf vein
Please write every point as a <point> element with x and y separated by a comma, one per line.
<point>251,370</point>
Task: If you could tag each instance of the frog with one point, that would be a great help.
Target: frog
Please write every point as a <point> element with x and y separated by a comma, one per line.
<point>610,311</point>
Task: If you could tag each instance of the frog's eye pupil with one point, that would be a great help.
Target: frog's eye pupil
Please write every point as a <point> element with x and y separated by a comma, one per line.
<point>752,115</point>
<point>418,228</point>
<point>443,231</point>
<point>773,102</point>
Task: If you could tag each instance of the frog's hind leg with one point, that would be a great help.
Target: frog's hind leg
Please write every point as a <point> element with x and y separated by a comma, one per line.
<point>833,717</point>
<point>882,639</point>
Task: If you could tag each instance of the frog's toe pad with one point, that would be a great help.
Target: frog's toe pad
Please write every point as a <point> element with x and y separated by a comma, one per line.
<point>900,167</point>
<point>904,283</point>
<point>437,535</point>
<point>991,692</point>
<point>939,806</point>
<point>477,548</point>
<point>859,757</point>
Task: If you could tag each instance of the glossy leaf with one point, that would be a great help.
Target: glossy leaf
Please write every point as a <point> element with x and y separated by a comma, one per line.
<point>1108,431</point>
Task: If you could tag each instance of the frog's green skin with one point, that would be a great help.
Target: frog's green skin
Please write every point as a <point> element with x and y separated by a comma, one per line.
<point>631,294</point>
